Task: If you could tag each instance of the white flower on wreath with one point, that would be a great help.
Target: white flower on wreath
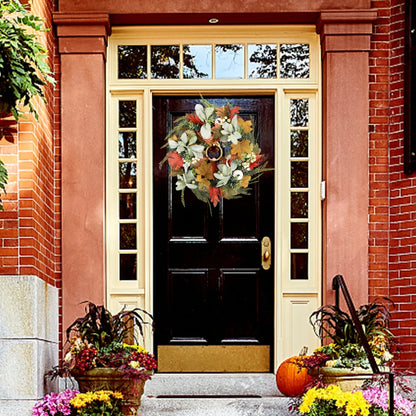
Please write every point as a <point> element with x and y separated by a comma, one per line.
<point>230,131</point>
<point>225,173</point>
<point>238,174</point>
<point>187,145</point>
<point>187,180</point>
<point>204,113</point>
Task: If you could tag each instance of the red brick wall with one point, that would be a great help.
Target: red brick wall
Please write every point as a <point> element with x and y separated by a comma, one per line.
<point>392,252</point>
<point>30,224</point>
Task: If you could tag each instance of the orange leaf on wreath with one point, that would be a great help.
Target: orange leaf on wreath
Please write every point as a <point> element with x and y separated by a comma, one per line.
<point>205,173</point>
<point>193,118</point>
<point>244,181</point>
<point>175,161</point>
<point>226,111</point>
<point>214,195</point>
<point>259,159</point>
<point>205,169</point>
<point>241,147</point>
<point>246,125</point>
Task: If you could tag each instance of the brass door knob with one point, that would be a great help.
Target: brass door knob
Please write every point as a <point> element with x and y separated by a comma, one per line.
<point>266,249</point>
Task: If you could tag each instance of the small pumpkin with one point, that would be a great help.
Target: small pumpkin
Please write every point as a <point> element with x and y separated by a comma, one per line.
<point>292,379</point>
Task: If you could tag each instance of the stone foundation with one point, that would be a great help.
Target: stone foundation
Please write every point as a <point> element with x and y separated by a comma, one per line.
<point>29,343</point>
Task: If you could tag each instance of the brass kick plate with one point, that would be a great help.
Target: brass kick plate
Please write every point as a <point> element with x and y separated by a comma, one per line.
<point>213,358</point>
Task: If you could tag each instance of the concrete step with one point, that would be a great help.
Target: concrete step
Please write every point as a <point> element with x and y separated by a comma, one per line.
<point>213,395</point>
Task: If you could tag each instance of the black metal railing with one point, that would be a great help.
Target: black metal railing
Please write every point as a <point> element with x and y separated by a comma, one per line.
<point>337,284</point>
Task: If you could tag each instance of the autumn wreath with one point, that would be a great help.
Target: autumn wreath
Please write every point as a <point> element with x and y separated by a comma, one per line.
<point>213,153</point>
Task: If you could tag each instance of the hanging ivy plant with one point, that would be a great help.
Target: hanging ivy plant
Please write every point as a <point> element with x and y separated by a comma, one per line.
<point>23,70</point>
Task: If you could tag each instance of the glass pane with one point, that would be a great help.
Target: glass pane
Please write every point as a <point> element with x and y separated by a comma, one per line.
<point>294,61</point>
<point>197,61</point>
<point>127,113</point>
<point>127,174</point>
<point>132,61</point>
<point>299,266</point>
<point>299,113</point>
<point>299,143</point>
<point>299,235</point>
<point>127,236</point>
<point>128,206</point>
<point>262,61</point>
<point>165,61</point>
<point>128,266</point>
<point>299,172</point>
<point>127,145</point>
<point>299,205</point>
<point>229,61</point>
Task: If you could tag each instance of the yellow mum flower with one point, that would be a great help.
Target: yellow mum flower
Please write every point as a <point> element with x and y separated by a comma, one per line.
<point>138,348</point>
<point>352,403</point>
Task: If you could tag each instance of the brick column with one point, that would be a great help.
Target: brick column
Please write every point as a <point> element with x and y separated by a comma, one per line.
<point>345,40</point>
<point>82,47</point>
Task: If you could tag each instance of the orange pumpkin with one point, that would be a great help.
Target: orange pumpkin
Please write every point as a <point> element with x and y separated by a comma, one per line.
<point>292,379</point>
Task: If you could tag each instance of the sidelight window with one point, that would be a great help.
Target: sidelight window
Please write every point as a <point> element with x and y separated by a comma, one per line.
<point>127,189</point>
<point>299,188</point>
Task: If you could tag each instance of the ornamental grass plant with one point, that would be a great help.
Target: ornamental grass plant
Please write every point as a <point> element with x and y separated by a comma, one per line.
<point>345,349</point>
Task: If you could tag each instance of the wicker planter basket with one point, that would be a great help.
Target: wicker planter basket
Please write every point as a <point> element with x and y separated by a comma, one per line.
<point>112,379</point>
<point>347,379</point>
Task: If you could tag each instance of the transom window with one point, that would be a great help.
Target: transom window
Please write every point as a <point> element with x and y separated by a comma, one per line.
<point>214,61</point>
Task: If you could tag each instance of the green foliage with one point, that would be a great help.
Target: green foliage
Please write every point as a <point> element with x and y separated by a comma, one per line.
<point>23,70</point>
<point>330,321</point>
<point>3,181</point>
<point>101,328</point>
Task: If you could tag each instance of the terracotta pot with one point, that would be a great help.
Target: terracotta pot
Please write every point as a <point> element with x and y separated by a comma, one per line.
<point>347,379</point>
<point>112,379</point>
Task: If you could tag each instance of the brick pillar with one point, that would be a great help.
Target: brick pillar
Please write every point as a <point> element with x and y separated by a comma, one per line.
<point>82,48</point>
<point>345,40</point>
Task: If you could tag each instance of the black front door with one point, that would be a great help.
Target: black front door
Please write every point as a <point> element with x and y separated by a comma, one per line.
<point>213,300</point>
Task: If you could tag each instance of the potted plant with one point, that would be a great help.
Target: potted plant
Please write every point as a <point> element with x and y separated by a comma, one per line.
<point>344,358</point>
<point>103,353</point>
<point>23,70</point>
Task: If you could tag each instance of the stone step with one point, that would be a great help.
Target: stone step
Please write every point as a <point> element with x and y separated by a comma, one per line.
<point>213,395</point>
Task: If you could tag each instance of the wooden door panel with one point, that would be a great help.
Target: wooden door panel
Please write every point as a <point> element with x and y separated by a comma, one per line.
<point>187,292</point>
<point>231,227</point>
<point>209,287</point>
<point>239,294</point>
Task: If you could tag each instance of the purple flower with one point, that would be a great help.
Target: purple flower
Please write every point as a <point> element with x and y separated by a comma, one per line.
<point>55,404</point>
<point>378,397</point>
